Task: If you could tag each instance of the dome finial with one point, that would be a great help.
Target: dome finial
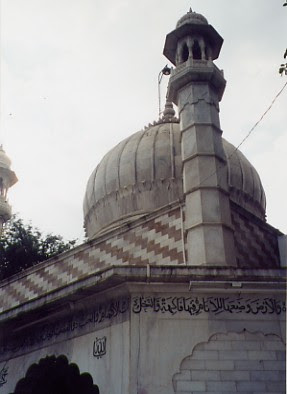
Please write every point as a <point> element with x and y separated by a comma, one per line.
<point>169,112</point>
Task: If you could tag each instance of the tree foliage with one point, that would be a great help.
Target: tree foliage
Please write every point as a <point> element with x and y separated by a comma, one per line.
<point>283,66</point>
<point>22,246</point>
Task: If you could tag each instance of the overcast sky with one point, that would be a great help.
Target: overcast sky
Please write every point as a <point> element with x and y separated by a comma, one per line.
<point>78,76</point>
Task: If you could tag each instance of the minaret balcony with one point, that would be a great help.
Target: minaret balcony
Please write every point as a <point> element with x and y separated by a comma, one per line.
<point>193,71</point>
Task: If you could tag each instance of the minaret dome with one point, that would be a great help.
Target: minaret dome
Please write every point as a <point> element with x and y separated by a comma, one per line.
<point>193,39</point>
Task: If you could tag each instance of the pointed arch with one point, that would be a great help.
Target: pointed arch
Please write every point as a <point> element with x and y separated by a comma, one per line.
<point>54,375</point>
<point>196,51</point>
<point>184,53</point>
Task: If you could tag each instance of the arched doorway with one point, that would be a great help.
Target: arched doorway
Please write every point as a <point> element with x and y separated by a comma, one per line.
<point>54,375</point>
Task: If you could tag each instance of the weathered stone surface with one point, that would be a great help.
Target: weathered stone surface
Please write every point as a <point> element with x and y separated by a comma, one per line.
<point>236,370</point>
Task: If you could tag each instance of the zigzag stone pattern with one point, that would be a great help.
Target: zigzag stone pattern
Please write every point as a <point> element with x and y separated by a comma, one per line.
<point>155,240</point>
<point>256,242</point>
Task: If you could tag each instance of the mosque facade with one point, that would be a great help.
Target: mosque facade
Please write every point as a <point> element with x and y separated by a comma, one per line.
<point>180,287</point>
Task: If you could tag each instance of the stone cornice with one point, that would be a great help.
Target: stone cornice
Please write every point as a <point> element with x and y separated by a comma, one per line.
<point>122,279</point>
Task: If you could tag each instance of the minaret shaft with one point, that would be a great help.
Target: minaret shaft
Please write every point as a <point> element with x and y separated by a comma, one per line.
<point>208,226</point>
<point>196,87</point>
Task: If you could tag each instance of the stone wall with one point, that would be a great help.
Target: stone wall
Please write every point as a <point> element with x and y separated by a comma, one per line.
<point>245,363</point>
<point>158,339</point>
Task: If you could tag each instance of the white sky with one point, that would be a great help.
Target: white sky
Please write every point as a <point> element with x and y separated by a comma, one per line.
<point>78,76</point>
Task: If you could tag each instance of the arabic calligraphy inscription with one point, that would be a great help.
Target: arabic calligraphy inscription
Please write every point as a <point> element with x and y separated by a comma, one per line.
<point>100,347</point>
<point>3,375</point>
<point>215,305</point>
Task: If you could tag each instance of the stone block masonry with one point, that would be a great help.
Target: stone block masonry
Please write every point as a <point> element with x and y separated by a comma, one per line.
<point>234,362</point>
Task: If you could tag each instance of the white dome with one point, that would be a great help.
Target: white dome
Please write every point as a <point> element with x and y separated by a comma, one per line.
<point>193,18</point>
<point>144,172</point>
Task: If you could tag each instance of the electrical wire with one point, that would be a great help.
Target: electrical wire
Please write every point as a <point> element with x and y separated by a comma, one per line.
<point>260,119</point>
<point>248,134</point>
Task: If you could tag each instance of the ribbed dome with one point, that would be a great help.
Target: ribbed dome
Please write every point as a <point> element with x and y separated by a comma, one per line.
<point>144,172</point>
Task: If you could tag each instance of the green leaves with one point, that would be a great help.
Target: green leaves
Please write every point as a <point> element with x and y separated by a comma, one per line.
<point>283,69</point>
<point>22,246</point>
<point>283,66</point>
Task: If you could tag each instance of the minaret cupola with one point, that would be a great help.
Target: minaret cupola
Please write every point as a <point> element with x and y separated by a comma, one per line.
<point>194,44</point>
<point>7,179</point>
<point>193,39</point>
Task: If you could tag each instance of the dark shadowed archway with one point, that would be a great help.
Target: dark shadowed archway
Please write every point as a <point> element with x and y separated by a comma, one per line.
<point>54,375</point>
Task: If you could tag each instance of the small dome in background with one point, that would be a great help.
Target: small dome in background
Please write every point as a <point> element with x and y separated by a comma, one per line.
<point>5,162</point>
<point>192,17</point>
<point>144,173</point>
<point>7,179</point>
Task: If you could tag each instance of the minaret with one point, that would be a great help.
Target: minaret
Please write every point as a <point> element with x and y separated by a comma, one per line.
<point>7,179</point>
<point>196,87</point>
